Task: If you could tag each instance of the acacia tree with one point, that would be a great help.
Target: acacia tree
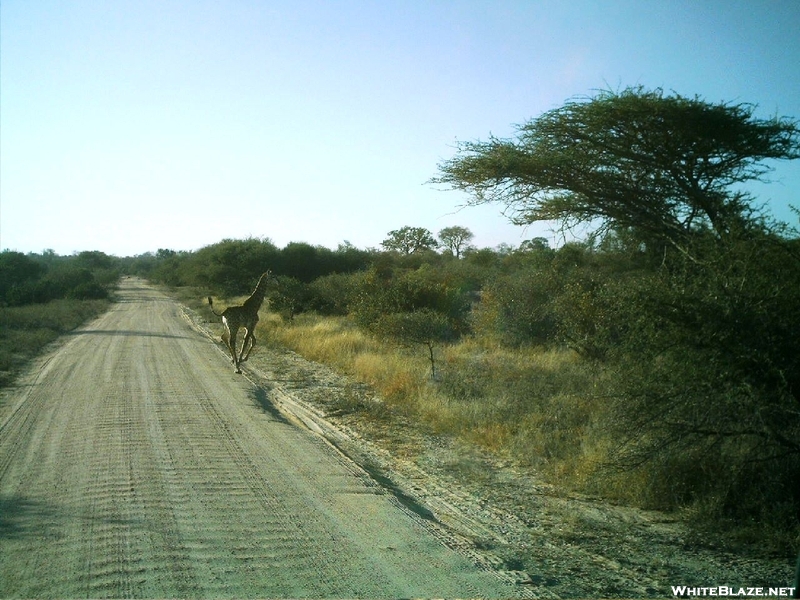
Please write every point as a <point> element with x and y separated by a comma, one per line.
<point>408,240</point>
<point>456,239</point>
<point>705,352</point>
<point>663,166</point>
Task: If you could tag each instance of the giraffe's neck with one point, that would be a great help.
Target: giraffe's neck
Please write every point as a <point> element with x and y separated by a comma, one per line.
<point>257,297</point>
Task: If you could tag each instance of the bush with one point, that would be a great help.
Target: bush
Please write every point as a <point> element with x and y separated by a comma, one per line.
<point>518,310</point>
<point>334,294</point>
<point>290,297</point>
<point>89,290</point>
<point>385,293</point>
<point>18,277</point>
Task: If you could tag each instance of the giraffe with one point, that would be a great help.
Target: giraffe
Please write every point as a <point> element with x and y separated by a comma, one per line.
<point>244,316</point>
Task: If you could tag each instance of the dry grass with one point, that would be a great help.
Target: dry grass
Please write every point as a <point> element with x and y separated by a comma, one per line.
<point>26,330</point>
<point>335,341</point>
<point>530,405</point>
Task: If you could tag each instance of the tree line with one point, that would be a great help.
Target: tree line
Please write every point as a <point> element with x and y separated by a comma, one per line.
<point>39,278</point>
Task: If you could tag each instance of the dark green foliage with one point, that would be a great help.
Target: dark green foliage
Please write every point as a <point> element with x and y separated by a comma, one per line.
<point>711,353</point>
<point>19,275</point>
<point>334,294</point>
<point>547,298</point>
<point>409,240</point>
<point>170,268</point>
<point>290,297</point>
<point>518,309</point>
<point>31,279</point>
<point>43,296</point>
<point>231,267</point>
<point>78,283</point>
<point>385,292</point>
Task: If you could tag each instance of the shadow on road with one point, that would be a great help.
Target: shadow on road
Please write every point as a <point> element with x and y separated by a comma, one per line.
<point>261,398</point>
<point>18,514</point>
<point>22,517</point>
<point>117,332</point>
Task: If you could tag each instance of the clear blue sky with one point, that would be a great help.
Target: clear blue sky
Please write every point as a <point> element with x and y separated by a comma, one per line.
<point>131,126</point>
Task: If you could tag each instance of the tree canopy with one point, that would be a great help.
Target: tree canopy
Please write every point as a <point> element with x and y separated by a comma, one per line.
<point>408,240</point>
<point>662,166</point>
<point>456,239</point>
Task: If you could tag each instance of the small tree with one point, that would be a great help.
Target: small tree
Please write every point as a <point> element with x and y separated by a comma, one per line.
<point>425,326</point>
<point>537,244</point>
<point>456,239</point>
<point>290,297</point>
<point>408,240</point>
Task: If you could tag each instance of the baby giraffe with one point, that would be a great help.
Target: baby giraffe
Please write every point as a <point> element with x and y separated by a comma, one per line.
<point>246,316</point>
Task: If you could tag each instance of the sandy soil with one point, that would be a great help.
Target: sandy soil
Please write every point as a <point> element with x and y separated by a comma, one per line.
<point>135,463</point>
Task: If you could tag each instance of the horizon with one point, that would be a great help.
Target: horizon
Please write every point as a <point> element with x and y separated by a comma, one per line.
<point>45,251</point>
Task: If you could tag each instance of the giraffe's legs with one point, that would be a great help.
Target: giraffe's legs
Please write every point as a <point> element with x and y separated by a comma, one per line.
<point>251,339</point>
<point>232,348</point>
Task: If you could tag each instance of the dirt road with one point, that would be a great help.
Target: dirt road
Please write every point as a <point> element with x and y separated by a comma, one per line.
<point>135,463</point>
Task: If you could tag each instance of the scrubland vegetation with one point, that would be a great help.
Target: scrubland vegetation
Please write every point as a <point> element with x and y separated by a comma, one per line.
<point>44,295</point>
<point>611,373</point>
<point>654,362</point>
